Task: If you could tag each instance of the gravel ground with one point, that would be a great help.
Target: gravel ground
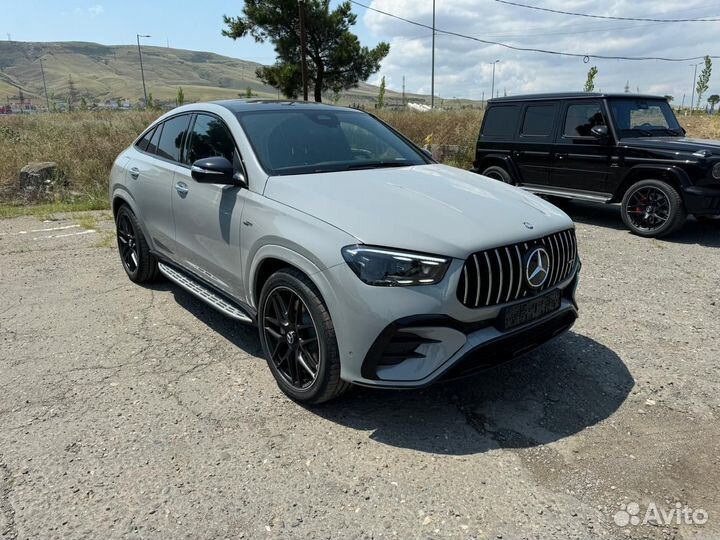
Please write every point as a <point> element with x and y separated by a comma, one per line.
<point>137,412</point>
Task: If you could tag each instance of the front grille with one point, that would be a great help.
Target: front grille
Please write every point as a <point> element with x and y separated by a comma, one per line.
<point>496,276</point>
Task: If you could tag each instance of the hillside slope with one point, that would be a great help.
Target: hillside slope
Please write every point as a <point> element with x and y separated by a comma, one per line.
<point>103,72</point>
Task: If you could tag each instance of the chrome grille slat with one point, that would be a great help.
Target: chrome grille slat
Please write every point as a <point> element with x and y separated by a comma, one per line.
<point>505,281</point>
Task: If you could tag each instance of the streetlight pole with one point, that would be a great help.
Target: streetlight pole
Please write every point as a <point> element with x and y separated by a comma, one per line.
<point>142,70</point>
<point>42,70</point>
<point>432,74</point>
<point>303,48</point>
<point>692,98</point>
<point>492,92</point>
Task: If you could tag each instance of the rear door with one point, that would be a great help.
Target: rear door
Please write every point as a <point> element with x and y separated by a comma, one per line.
<point>534,153</point>
<point>207,216</point>
<point>583,161</point>
<point>151,171</point>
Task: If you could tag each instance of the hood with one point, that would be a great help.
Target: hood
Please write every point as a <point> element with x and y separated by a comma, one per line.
<point>434,209</point>
<point>673,144</point>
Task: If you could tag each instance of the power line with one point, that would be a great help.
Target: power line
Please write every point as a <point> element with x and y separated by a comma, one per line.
<point>585,57</point>
<point>641,19</point>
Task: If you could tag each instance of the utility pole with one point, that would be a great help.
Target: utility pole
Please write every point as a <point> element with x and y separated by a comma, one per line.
<point>692,99</point>
<point>303,48</point>
<point>142,70</point>
<point>403,94</point>
<point>432,74</point>
<point>47,99</point>
<point>682,105</point>
<point>492,92</point>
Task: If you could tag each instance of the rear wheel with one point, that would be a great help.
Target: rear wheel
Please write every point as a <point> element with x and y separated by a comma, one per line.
<point>298,338</point>
<point>653,208</point>
<point>139,264</point>
<point>498,173</point>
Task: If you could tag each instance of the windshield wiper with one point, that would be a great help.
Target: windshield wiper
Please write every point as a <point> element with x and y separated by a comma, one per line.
<point>377,165</point>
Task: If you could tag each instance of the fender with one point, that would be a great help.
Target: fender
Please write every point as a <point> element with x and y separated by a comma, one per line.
<point>670,173</point>
<point>503,160</point>
<point>120,192</point>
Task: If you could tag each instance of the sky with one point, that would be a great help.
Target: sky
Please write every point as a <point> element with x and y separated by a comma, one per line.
<point>463,67</point>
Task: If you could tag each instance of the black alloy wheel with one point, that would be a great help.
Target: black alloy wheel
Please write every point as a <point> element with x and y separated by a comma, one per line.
<point>292,337</point>
<point>653,208</point>
<point>127,244</point>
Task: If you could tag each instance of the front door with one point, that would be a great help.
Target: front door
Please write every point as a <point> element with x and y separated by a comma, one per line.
<point>583,161</point>
<point>207,216</point>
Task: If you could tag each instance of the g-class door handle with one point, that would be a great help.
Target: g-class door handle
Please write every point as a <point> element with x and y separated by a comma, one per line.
<point>134,172</point>
<point>182,188</point>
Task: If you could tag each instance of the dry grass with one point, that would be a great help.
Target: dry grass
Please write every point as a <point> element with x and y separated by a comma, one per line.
<point>84,144</point>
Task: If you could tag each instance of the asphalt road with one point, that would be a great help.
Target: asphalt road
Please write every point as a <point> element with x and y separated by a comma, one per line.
<point>137,412</point>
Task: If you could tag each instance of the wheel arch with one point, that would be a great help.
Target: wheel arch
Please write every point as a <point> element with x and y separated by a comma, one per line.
<point>671,175</point>
<point>498,160</point>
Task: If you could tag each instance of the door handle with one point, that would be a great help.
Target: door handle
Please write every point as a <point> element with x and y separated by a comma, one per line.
<point>562,156</point>
<point>182,189</point>
<point>134,172</point>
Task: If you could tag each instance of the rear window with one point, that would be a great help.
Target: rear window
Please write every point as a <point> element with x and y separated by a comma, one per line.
<point>142,144</point>
<point>500,121</point>
<point>539,120</point>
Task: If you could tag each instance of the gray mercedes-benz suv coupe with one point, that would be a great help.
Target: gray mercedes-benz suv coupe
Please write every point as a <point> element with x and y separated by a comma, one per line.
<point>360,259</point>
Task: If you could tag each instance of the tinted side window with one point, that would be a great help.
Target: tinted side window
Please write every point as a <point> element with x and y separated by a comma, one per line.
<point>152,146</point>
<point>581,118</point>
<point>501,121</point>
<point>539,120</point>
<point>143,143</point>
<point>171,139</point>
<point>210,137</point>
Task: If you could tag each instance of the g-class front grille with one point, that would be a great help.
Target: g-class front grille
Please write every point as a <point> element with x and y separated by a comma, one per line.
<point>498,275</point>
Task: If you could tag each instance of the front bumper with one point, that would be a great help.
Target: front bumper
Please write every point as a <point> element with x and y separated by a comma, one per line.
<point>702,201</point>
<point>411,337</point>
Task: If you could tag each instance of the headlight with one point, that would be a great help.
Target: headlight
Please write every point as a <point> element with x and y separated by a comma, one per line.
<point>385,267</point>
<point>716,171</point>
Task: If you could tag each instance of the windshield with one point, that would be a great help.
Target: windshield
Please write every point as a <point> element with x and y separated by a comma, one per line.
<point>644,118</point>
<point>314,141</point>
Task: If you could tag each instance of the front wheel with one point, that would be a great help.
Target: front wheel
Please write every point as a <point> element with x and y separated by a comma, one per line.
<point>139,264</point>
<point>298,338</point>
<point>652,208</point>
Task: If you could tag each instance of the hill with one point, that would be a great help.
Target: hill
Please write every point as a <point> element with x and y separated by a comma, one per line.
<point>102,72</point>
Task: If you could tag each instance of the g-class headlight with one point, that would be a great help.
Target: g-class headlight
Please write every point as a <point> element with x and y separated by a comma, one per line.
<point>716,171</point>
<point>386,267</point>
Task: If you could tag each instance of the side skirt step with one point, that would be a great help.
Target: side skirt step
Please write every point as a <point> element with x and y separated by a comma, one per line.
<point>204,294</point>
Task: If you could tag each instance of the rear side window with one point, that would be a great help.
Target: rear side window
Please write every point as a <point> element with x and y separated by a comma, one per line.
<point>143,143</point>
<point>581,118</point>
<point>539,120</point>
<point>209,137</point>
<point>153,144</point>
<point>171,139</point>
<point>501,121</point>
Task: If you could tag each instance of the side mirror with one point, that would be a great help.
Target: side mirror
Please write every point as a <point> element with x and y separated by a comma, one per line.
<point>599,132</point>
<point>216,170</point>
<point>684,131</point>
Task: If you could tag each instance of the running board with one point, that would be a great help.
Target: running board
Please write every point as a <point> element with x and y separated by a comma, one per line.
<point>203,293</point>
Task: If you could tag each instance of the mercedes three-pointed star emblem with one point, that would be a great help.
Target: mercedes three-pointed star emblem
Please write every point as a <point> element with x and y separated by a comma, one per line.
<point>537,267</point>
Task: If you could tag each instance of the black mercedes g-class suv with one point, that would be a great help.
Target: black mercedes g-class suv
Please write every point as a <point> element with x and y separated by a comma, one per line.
<point>609,148</point>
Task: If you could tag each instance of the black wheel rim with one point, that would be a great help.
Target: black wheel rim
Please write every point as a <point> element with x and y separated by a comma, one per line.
<point>495,176</point>
<point>648,208</point>
<point>127,243</point>
<point>291,337</point>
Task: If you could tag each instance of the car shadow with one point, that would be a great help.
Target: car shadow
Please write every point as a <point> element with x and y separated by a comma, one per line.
<point>560,389</point>
<point>608,215</point>
<point>244,336</point>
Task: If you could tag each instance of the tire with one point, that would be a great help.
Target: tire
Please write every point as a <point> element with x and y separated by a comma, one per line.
<point>498,173</point>
<point>139,264</point>
<point>306,368</point>
<point>653,209</point>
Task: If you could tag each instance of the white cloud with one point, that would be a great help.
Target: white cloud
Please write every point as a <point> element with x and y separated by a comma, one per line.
<point>463,67</point>
<point>96,10</point>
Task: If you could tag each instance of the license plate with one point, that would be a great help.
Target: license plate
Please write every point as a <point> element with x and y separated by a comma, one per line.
<point>529,311</point>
